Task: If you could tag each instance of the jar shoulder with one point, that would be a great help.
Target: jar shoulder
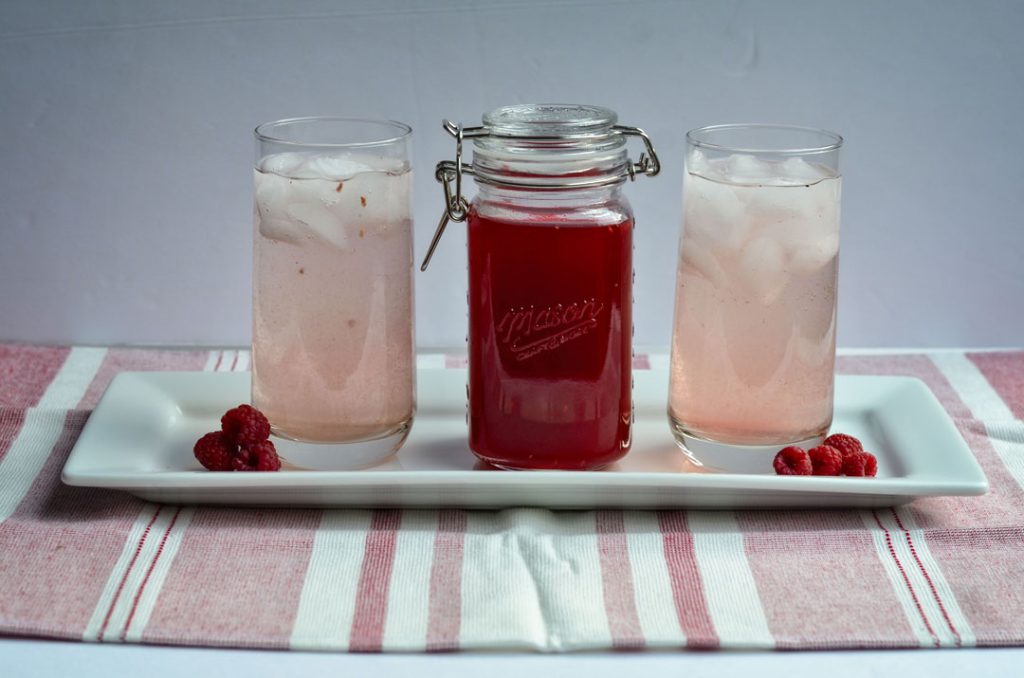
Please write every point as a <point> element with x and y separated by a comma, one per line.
<point>604,211</point>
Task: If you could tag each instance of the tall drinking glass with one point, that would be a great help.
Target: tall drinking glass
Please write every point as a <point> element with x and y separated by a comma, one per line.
<point>332,345</point>
<point>753,348</point>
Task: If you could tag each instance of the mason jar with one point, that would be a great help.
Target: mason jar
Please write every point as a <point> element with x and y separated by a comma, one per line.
<point>550,245</point>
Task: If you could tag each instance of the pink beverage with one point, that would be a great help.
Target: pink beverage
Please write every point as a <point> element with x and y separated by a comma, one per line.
<point>754,339</point>
<point>333,356</point>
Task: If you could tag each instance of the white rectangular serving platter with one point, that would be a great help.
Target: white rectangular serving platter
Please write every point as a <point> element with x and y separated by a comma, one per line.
<point>140,437</point>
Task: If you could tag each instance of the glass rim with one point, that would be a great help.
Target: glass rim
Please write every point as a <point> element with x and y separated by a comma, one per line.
<point>693,140</point>
<point>403,130</point>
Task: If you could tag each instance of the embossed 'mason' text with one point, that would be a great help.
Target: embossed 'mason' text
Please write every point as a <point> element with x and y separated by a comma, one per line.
<point>529,331</point>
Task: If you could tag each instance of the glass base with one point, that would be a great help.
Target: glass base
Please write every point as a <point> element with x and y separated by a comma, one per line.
<point>731,458</point>
<point>300,455</point>
<point>506,464</point>
<point>507,467</point>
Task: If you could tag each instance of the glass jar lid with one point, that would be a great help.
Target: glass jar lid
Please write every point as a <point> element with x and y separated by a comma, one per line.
<point>550,121</point>
<point>550,146</point>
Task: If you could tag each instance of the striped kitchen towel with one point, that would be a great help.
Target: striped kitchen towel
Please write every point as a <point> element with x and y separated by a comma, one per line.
<point>103,566</point>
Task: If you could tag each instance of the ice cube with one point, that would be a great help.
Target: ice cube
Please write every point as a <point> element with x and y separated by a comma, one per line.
<point>714,215</point>
<point>741,168</point>
<point>811,239</point>
<point>271,199</point>
<point>699,260</point>
<point>332,197</point>
<point>697,163</point>
<point>762,269</point>
<point>778,204</point>
<point>322,222</point>
<point>281,230</point>
<point>271,194</point>
<point>814,253</point>
<point>794,171</point>
<point>374,200</point>
<point>317,191</point>
<point>282,164</point>
<point>330,167</point>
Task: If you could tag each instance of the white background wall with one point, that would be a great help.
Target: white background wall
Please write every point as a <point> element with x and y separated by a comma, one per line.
<point>125,143</point>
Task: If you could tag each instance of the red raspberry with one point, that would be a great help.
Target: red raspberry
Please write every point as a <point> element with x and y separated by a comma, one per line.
<point>860,464</point>
<point>214,451</point>
<point>792,461</point>
<point>846,444</point>
<point>826,460</point>
<point>259,457</point>
<point>245,425</point>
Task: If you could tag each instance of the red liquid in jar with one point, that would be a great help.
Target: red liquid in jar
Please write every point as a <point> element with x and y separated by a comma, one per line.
<point>550,316</point>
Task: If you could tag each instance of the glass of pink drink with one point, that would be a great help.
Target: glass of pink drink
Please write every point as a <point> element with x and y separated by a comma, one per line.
<point>333,348</point>
<point>753,349</point>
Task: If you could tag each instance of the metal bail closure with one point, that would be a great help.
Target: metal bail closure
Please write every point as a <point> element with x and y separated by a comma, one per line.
<point>648,163</point>
<point>456,207</point>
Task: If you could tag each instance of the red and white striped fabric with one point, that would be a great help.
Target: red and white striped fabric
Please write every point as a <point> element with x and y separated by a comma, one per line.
<point>102,566</point>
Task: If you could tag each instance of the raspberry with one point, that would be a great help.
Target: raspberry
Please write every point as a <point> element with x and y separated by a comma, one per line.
<point>826,460</point>
<point>846,444</point>
<point>860,464</point>
<point>214,451</point>
<point>792,461</point>
<point>245,425</point>
<point>259,457</point>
